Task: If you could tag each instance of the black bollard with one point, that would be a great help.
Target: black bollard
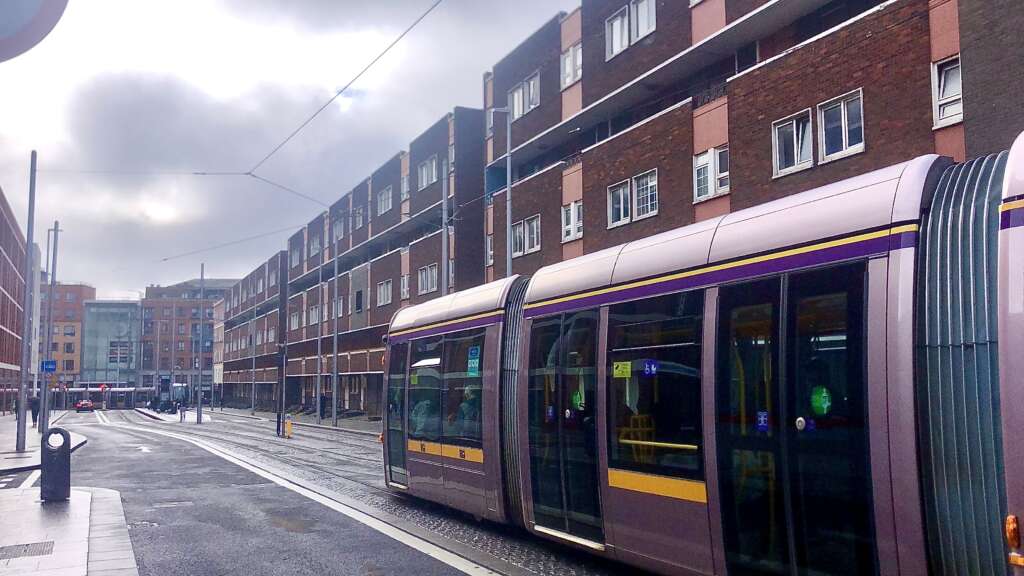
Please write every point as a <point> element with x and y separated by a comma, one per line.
<point>55,465</point>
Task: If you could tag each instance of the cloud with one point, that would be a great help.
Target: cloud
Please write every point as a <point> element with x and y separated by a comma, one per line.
<point>220,102</point>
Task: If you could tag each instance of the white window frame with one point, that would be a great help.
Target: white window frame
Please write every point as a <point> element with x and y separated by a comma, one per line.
<point>517,101</point>
<point>572,65</point>
<point>937,102</point>
<point>715,173</point>
<point>521,97</point>
<point>314,314</point>
<point>272,280</point>
<point>518,239</point>
<point>404,189</point>
<point>489,249</point>
<point>635,192</point>
<point>451,272</point>
<point>622,13</point>
<point>531,224</point>
<point>338,229</point>
<point>847,150</point>
<point>428,273</point>
<point>634,20</point>
<point>384,293</point>
<point>405,287</point>
<point>572,221</point>
<point>259,286</point>
<point>357,215</point>
<point>778,171</point>
<point>451,156</point>
<point>384,201</point>
<point>294,258</point>
<point>430,166</point>
<point>314,249</point>
<point>628,203</point>
<point>294,322</point>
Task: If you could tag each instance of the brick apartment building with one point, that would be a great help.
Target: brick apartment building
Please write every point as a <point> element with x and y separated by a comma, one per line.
<point>629,118</point>
<point>68,314</point>
<point>177,336</point>
<point>632,117</point>
<point>12,297</point>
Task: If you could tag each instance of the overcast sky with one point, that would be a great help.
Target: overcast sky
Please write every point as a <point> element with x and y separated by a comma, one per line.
<point>213,85</point>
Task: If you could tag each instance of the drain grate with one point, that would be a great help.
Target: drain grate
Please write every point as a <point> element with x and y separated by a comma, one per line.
<point>25,550</point>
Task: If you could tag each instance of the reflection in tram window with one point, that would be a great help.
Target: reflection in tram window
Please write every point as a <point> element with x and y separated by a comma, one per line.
<point>463,383</point>
<point>396,412</point>
<point>654,363</point>
<point>425,389</point>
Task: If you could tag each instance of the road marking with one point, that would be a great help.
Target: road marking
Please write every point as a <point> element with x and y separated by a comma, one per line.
<point>30,480</point>
<point>416,543</point>
<point>144,449</point>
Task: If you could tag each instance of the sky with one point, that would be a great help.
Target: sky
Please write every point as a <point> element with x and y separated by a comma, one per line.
<point>159,88</point>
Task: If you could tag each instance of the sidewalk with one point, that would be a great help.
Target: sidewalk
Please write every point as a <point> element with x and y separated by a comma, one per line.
<point>357,425</point>
<point>85,535</point>
<point>11,461</point>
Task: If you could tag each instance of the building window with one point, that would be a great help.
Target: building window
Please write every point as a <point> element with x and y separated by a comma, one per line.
<point>616,33</point>
<point>711,173</point>
<point>295,258</point>
<point>404,192</point>
<point>643,18</point>
<point>572,221</point>
<point>572,65</point>
<point>841,126</point>
<point>525,96</point>
<point>271,334</point>
<point>451,157</point>
<point>383,200</point>
<point>747,56</point>
<point>357,216</point>
<point>791,139</point>
<point>947,92</point>
<point>314,249</point>
<point>427,279</point>
<point>384,293</point>
<point>618,204</point>
<point>339,229</point>
<point>359,302</point>
<point>272,279</point>
<point>427,172</point>
<point>518,239</point>
<point>259,286</point>
<point>489,250</point>
<point>69,329</point>
<point>69,347</point>
<point>69,365</point>
<point>259,338</point>
<point>405,287</point>
<point>70,296</point>
<point>293,321</point>
<point>645,192</point>
<point>181,345</point>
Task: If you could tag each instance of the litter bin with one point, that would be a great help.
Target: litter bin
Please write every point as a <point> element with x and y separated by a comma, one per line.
<point>55,465</point>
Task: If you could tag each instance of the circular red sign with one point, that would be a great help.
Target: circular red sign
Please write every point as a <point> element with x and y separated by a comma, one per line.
<point>24,23</point>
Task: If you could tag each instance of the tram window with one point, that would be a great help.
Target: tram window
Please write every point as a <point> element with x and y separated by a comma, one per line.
<point>654,366</point>
<point>463,384</point>
<point>396,385</point>
<point>425,389</point>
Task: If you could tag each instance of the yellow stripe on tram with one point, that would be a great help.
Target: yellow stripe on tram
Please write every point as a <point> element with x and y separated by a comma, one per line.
<point>689,490</point>
<point>1011,205</point>
<point>747,261</point>
<point>463,453</point>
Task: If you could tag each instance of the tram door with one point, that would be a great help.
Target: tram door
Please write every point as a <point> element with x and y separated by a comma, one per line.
<point>397,361</point>
<point>563,425</point>
<point>792,426</point>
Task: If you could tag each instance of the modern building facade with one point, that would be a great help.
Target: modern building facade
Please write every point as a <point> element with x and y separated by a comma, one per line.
<point>177,336</point>
<point>110,340</point>
<point>66,330</point>
<point>12,298</point>
<point>218,350</point>
<point>633,117</point>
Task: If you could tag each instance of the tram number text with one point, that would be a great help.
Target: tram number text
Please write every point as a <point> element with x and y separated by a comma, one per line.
<point>462,454</point>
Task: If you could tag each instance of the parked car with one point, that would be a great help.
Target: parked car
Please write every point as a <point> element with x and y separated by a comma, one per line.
<point>84,405</point>
<point>166,406</point>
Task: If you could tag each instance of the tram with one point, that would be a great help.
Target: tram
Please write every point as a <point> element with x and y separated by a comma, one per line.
<point>825,384</point>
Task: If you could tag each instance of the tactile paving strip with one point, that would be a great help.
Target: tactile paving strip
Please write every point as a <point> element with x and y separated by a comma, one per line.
<point>25,550</point>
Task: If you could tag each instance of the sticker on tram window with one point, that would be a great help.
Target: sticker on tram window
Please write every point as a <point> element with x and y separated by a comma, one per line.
<point>650,367</point>
<point>622,369</point>
<point>821,400</point>
<point>414,378</point>
<point>473,363</point>
<point>762,420</point>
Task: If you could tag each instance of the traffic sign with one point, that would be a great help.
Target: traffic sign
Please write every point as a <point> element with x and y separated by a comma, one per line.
<point>49,366</point>
<point>25,24</point>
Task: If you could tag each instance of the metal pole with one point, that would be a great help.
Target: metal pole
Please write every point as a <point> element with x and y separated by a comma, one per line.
<point>319,341</point>
<point>26,321</point>
<point>336,311</point>
<point>142,350</point>
<point>49,321</point>
<point>252,338</point>
<point>44,399</point>
<point>508,191</point>
<point>444,228</point>
<point>174,344</point>
<point>284,380</point>
<point>202,325</point>
<point>157,323</point>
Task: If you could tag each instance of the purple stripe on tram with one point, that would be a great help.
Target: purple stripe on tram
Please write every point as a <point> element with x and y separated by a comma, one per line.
<point>454,327</point>
<point>1011,218</point>
<point>903,240</point>
<point>747,271</point>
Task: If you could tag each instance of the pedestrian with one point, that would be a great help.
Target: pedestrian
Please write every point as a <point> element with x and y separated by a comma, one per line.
<point>181,411</point>
<point>33,404</point>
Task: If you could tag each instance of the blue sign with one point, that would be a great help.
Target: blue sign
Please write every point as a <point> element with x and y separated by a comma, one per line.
<point>762,420</point>
<point>49,366</point>
<point>474,351</point>
<point>650,367</point>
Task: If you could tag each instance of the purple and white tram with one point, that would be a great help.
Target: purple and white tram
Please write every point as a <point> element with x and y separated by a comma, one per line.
<point>829,383</point>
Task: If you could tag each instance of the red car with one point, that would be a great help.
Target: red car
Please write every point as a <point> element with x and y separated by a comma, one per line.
<point>84,405</point>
